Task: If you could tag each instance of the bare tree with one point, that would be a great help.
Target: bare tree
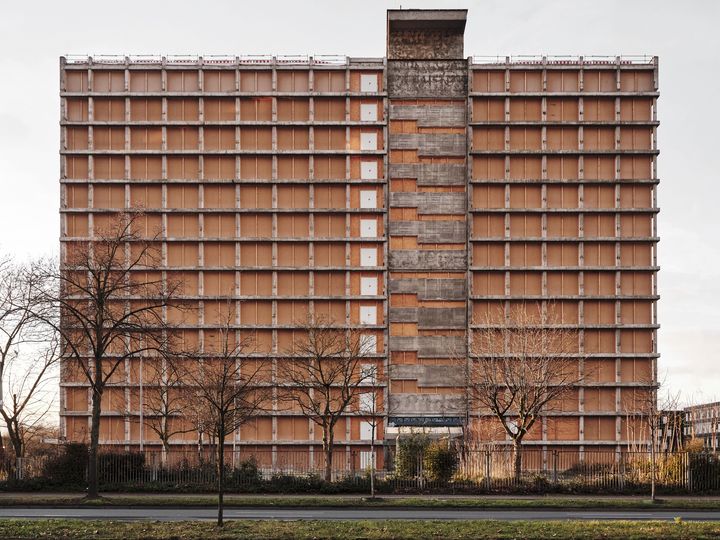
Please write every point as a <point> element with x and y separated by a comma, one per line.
<point>322,376</point>
<point>111,295</point>
<point>521,365</point>
<point>166,402</point>
<point>21,329</point>
<point>27,377</point>
<point>369,409</point>
<point>228,389</point>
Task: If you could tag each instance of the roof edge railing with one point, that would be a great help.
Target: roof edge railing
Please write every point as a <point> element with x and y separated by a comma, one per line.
<point>638,59</point>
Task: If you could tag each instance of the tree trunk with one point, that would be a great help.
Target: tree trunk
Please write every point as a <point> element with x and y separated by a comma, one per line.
<point>328,448</point>
<point>93,450</point>
<point>517,459</point>
<point>652,470</point>
<point>220,476</point>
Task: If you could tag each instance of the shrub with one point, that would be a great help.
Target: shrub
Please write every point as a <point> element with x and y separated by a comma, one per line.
<point>409,455</point>
<point>68,468</point>
<point>126,466</point>
<point>246,472</point>
<point>440,461</point>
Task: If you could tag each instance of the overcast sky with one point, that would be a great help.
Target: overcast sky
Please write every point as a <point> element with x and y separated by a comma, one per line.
<point>683,34</point>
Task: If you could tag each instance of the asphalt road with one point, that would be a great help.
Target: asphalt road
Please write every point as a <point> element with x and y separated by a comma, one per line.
<point>195,514</point>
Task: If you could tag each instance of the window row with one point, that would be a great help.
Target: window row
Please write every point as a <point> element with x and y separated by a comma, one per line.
<point>562,225</point>
<point>521,254</point>
<point>222,196</point>
<point>562,138</point>
<point>216,167</point>
<point>562,167</point>
<point>563,80</point>
<point>225,138</point>
<point>562,196</point>
<point>562,283</point>
<point>223,80</point>
<point>568,312</point>
<point>224,110</point>
<point>594,109</point>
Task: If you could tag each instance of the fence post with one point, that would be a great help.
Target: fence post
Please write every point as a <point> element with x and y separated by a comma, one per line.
<point>488,465</point>
<point>621,479</point>
<point>555,466</point>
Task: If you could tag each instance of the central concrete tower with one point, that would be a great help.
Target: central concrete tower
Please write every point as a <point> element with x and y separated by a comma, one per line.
<point>427,266</point>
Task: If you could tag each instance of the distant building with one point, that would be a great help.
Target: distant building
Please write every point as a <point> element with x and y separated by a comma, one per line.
<point>703,422</point>
<point>404,195</point>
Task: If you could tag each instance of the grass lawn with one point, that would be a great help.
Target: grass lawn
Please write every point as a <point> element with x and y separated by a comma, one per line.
<point>415,530</point>
<point>358,501</point>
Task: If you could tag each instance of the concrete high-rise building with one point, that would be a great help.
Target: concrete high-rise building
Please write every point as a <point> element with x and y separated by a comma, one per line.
<point>407,195</point>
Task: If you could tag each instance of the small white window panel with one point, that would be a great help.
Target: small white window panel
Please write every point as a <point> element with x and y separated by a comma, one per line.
<point>368,141</point>
<point>368,371</point>
<point>368,112</point>
<point>368,256</point>
<point>368,170</point>
<point>367,402</point>
<point>368,228</point>
<point>368,315</point>
<point>368,286</point>
<point>366,431</point>
<point>368,82</point>
<point>368,199</point>
<point>366,457</point>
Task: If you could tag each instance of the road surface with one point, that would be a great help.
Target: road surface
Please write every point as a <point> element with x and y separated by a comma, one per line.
<point>194,514</point>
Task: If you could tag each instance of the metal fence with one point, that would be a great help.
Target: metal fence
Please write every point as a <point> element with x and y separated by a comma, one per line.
<point>476,471</point>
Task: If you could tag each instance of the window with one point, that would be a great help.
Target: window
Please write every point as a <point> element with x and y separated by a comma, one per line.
<point>367,402</point>
<point>368,315</point>
<point>368,82</point>
<point>366,431</point>
<point>368,286</point>
<point>368,228</point>
<point>368,199</point>
<point>368,256</point>
<point>366,457</point>
<point>368,141</point>
<point>368,112</point>
<point>368,170</point>
<point>368,371</point>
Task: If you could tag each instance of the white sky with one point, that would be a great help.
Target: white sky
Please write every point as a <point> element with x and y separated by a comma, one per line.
<point>684,34</point>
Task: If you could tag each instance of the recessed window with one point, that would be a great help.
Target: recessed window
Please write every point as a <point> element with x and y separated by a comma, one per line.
<point>368,141</point>
<point>368,170</point>
<point>368,228</point>
<point>368,82</point>
<point>368,315</point>
<point>368,199</point>
<point>368,112</point>
<point>368,286</point>
<point>368,256</point>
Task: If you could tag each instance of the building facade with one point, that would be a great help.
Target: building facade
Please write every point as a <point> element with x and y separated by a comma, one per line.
<point>408,196</point>
<point>703,422</point>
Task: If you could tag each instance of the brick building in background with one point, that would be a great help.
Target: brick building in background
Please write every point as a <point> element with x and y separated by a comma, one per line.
<point>407,195</point>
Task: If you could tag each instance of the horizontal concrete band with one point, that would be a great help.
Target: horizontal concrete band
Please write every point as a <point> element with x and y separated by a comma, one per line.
<point>440,404</point>
<point>431,232</point>
<point>430,318</point>
<point>430,144</point>
<point>443,375</point>
<point>430,289</point>
<point>427,260</point>
<point>430,203</point>
<point>430,115</point>
<point>431,174</point>
<point>430,346</point>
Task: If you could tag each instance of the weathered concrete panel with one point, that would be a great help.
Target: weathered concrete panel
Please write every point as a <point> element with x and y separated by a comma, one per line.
<point>434,404</point>
<point>427,78</point>
<point>431,232</point>
<point>441,346</point>
<point>430,144</point>
<point>403,314</point>
<point>431,174</point>
<point>430,203</point>
<point>430,115</point>
<point>450,375</point>
<point>427,260</point>
<point>430,289</point>
<point>429,318</point>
